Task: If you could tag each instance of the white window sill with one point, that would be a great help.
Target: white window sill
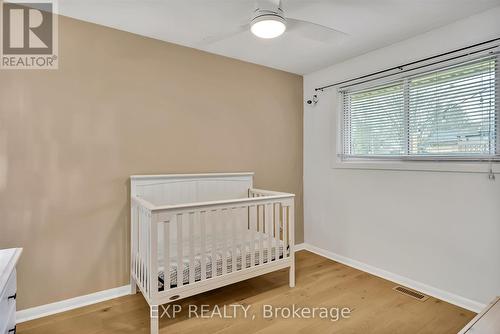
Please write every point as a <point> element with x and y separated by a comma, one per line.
<point>429,166</point>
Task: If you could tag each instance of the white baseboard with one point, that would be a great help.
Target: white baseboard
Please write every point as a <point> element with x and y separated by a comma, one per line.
<point>299,247</point>
<point>424,288</point>
<point>93,298</point>
<point>69,304</point>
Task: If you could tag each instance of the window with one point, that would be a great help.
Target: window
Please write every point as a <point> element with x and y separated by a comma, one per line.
<point>451,113</point>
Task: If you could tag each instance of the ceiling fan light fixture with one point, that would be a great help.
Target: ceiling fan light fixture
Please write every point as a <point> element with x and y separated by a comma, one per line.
<point>268,26</point>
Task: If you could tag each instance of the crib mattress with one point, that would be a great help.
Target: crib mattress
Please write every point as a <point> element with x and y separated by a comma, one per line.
<point>219,263</point>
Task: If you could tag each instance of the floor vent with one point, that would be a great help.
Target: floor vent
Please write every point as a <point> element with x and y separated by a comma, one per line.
<point>411,293</point>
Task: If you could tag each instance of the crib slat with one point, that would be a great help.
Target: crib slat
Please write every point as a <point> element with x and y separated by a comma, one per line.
<point>252,216</point>
<point>203,251</point>
<point>234,220</point>
<point>243,233</point>
<point>146,249</point>
<point>166,255</point>
<point>276,230</point>
<point>261,233</point>
<point>269,231</point>
<point>285,230</point>
<point>153,253</point>
<point>191,247</point>
<point>291,231</point>
<point>139,245</point>
<point>141,249</point>
<point>136,242</point>
<point>180,264</point>
<point>132,241</point>
<point>224,218</point>
<point>213,223</point>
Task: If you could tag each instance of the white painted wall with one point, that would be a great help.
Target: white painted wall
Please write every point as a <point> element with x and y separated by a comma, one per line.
<point>441,229</point>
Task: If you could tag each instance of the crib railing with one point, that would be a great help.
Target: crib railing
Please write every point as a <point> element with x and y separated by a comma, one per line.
<point>257,230</point>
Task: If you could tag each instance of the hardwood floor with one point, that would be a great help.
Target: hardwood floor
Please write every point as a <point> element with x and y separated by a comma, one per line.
<point>376,308</point>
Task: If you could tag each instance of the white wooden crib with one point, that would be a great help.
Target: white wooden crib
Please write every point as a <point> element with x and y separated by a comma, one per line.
<point>191,233</point>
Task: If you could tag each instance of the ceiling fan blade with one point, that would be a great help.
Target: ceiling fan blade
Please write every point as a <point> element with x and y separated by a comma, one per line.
<point>208,40</point>
<point>315,31</point>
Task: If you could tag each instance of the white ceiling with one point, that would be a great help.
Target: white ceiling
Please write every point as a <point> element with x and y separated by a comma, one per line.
<point>370,24</point>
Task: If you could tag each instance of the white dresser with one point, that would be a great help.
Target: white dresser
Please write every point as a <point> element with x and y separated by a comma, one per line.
<point>486,322</point>
<point>8,261</point>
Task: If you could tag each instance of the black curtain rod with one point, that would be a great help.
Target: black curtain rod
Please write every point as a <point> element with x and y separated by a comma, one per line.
<point>400,67</point>
<point>424,66</point>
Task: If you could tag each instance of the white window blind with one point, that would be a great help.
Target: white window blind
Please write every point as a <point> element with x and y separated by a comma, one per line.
<point>451,113</point>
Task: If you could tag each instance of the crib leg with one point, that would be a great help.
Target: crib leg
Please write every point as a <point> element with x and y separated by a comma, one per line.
<point>291,272</point>
<point>133,285</point>
<point>155,319</point>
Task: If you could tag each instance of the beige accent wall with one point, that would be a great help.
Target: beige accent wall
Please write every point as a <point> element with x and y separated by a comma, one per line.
<point>122,104</point>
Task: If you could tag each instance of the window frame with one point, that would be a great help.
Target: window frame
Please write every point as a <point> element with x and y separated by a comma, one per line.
<point>416,162</point>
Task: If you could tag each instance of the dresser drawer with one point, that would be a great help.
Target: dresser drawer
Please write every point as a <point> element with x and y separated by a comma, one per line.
<point>8,304</point>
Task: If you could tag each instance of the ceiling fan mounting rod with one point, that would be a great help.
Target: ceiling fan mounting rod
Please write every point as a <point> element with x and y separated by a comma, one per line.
<point>266,12</point>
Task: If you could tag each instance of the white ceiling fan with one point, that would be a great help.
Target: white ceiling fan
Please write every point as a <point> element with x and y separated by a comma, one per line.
<point>270,21</point>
